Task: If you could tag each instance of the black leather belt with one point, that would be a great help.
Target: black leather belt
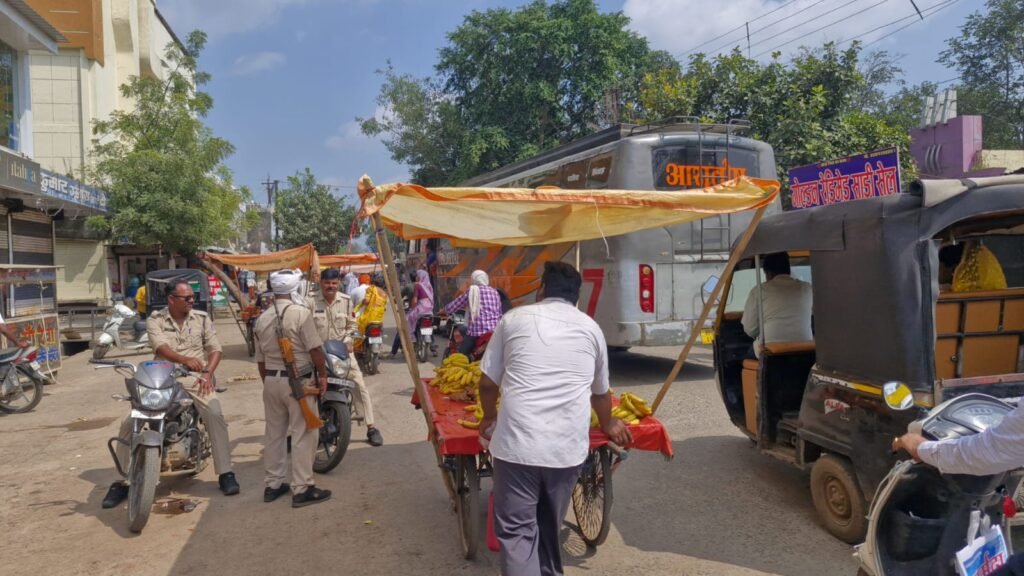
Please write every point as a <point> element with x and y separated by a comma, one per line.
<point>284,374</point>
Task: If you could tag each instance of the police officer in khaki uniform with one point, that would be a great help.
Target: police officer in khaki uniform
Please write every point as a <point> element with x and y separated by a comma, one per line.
<point>185,336</point>
<point>332,313</point>
<point>283,414</point>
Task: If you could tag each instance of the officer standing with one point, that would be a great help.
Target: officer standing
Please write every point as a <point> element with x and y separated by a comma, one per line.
<point>334,319</point>
<point>185,336</point>
<point>282,411</point>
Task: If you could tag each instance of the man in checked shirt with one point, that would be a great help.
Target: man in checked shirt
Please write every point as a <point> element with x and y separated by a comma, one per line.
<point>483,304</point>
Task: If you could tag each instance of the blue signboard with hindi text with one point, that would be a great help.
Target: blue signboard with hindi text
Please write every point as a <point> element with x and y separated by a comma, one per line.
<point>852,178</point>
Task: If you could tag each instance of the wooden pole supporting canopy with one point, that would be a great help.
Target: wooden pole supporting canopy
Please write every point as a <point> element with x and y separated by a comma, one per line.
<point>734,258</point>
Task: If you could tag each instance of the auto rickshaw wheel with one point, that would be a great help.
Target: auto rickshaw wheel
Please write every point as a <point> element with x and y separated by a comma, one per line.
<point>838,498</point>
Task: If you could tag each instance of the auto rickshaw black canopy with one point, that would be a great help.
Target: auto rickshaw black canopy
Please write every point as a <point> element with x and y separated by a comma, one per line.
<point>158,280</point>
<point>874,268</point>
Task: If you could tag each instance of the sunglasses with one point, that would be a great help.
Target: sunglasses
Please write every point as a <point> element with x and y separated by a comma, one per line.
<point>185,298</point>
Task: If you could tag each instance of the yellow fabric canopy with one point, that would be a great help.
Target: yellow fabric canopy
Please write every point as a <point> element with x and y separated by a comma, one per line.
<point>303,258</point>
<point>338,260</point>
<point>531,217</point>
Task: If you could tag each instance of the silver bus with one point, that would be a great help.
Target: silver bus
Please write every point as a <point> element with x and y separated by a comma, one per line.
<point>645,288</point>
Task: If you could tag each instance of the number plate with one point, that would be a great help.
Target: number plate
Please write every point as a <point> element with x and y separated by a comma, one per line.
<point>427,331</point>
<point>147,415</point>
<point>34,365</point>
<point>339,381</point>
<point>376,340</point>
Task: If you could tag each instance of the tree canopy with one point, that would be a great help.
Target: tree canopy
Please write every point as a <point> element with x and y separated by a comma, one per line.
<point>306,212</point>
<point>512,83</point>
<point>162,166</point>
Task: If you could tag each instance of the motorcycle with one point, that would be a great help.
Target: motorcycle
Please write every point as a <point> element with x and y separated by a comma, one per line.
<point>335,408</point>
<point>479,347</point>
<point>919,517</point>
<point>168,437</point>
<point>368,353</point>
<point>111,334</point>
<point>424,337</point>
<point>21,382</point>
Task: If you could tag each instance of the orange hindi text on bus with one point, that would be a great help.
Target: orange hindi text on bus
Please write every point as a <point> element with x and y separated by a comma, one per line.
<point>690,176</point>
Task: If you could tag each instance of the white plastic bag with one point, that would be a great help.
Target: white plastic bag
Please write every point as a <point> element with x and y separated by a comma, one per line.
<point>984,554</point>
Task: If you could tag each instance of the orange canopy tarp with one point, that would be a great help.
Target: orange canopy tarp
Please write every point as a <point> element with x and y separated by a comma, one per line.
<point>303,258</point>
<point>531,217</point>
<point>339,260</point>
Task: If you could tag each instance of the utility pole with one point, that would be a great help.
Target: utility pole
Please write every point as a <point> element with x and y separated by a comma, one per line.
<point>748,39</point>
<point>271,186</point>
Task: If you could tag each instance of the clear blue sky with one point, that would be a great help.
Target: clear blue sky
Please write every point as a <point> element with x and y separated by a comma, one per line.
<point>290,76</point>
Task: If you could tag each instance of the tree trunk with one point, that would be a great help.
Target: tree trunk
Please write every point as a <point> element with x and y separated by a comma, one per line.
<point>233,288</point>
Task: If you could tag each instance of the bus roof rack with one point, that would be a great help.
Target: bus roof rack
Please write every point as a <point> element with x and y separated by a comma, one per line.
<point>614,133</point>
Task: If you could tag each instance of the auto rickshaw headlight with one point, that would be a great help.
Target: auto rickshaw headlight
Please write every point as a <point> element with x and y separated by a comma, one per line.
<point>898,395</point>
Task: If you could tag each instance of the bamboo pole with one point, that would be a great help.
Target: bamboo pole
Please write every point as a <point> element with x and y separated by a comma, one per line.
<point>734,258</point>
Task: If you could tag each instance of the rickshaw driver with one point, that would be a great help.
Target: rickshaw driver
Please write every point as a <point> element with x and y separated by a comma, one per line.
<point>787,306</point>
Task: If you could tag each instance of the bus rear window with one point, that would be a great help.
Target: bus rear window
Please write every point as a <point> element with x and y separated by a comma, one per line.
<point>685,167</point>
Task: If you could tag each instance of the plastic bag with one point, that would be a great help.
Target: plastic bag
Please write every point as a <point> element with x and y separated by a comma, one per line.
<point>978,270</point>
<point>984,555</point>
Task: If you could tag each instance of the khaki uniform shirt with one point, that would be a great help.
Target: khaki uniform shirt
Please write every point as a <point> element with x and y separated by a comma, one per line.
<point>296,325</point>
<point>195,338</point>
<point>334,321</point>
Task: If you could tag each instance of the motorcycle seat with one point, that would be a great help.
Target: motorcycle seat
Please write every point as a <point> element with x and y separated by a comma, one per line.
<point>9,354</point>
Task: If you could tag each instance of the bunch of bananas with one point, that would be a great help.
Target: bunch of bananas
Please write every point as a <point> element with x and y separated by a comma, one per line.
<point>478,411</point>
<point>631,408</point>
<point>457,374</point>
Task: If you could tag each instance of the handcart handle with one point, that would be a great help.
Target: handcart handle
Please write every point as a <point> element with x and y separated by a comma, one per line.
<point>619,451</point>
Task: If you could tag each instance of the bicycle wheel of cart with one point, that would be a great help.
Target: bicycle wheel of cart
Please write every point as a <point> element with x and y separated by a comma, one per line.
<point>592,497</point>
<point>467,504</point>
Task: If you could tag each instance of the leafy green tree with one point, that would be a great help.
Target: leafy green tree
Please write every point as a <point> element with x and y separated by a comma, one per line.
<point>989,56</point>
<point>512,83</point>
<point>306,211</point>
<point>163,167</point>
<point>822,104</point>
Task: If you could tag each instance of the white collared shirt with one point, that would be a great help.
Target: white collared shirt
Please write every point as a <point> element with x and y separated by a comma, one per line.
<point>787,311</point>
<point>548,359</point>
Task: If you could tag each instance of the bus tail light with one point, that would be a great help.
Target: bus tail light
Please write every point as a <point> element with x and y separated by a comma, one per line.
<point>646,288</point>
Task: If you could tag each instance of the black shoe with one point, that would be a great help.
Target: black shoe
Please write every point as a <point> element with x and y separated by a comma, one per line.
<point>271,494</point>
<point>228,485</point>
<point>374,437</point>
<point>115,495</point>
<point>312,495</point>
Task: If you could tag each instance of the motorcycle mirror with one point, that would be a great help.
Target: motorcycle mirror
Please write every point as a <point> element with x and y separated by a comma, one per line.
<point>898,395</point>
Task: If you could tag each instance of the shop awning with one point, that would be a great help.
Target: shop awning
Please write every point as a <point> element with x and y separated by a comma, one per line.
<point>523,216</point>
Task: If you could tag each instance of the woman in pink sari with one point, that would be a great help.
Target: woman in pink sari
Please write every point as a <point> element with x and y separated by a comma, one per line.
<point>422,304</point>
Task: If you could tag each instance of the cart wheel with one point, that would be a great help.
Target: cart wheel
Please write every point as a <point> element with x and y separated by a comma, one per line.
<point>467,504</point>
<point>592,497</point>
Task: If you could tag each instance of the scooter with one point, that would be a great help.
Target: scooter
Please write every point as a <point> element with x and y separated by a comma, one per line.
<point>111,334</point>
<point>425,337</point>
<point>368,354</point>
<point>920,518</point>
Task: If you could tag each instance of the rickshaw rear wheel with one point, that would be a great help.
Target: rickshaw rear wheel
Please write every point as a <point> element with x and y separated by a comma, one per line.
<point>838,498</point>
<point>467,504</point>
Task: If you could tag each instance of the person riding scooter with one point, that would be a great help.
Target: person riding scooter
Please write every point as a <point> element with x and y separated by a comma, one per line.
<point>994,451</point>
<point>484,305</point>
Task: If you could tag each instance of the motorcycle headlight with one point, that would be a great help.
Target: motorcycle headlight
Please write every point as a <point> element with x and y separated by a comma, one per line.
<point>154,399</point>
<point>338,366</point>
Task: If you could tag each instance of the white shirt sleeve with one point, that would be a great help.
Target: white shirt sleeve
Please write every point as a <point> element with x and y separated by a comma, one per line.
<point>751,318</point>
<point>600,385</point>
<point>493,362</point>
<point>995,450</point>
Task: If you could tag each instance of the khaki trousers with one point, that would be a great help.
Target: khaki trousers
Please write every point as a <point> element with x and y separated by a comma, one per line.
<point>217,427</point>
<point>363,397</point>
<point>284,418</point>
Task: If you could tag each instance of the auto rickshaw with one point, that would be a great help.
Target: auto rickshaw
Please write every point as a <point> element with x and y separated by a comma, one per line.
<point>881,313</point>
<point>156,288</point>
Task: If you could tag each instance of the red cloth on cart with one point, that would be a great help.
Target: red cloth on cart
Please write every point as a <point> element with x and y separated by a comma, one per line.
<point>456,439</point>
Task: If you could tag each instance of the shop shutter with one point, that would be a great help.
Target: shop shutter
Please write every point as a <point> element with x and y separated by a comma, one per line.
<point>33,238</point>
<point>5,245</point>
<point>83,277</point>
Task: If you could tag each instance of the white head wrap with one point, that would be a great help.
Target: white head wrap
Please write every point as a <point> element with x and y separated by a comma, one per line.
<point>479,278</point>
<point>286,283</point>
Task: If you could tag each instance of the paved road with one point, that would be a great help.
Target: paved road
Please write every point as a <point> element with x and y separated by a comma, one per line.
<point>719,508</point>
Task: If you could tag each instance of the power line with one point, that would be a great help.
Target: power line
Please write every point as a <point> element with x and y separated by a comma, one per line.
<point>720,36</point>
<point>829,25</point>
<point>897,21</point>
<point>767,26</point>
<point>901,28</point>
<point>802,24</point>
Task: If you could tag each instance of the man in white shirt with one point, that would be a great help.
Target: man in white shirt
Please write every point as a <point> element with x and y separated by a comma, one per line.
<point>787,306</point>
<point>550,363</point>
